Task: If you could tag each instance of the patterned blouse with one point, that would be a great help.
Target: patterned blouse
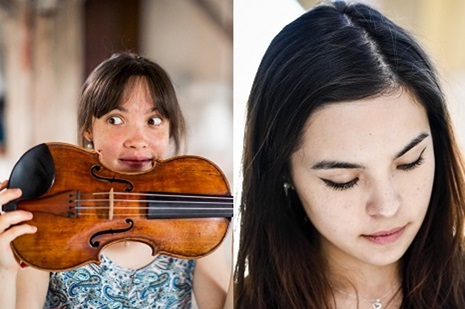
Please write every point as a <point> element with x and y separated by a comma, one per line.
<point>164,283</point>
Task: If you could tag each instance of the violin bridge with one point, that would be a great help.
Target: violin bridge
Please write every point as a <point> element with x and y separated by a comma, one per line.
<point>112,204</point>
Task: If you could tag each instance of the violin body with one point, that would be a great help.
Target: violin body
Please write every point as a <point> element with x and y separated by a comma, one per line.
<point>181,206</point>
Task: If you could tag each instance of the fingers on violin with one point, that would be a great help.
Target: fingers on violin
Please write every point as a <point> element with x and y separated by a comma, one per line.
<point>9,235</point>
<point>7,259</point>
<point>15,218</point>
<point>9,194</point>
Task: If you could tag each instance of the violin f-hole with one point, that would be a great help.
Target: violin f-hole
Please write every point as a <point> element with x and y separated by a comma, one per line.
<point>96,168</point>
<point>95,244</point>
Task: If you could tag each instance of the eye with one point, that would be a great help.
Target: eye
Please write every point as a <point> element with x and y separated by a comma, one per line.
<point>340,185</point>
<point>414,164</point>
<point>155,121</point>
<point>115,120</point>
<point>411,166</point>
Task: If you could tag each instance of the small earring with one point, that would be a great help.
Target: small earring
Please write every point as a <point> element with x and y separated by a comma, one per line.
<point>287,186</point>
<point>90,145</point>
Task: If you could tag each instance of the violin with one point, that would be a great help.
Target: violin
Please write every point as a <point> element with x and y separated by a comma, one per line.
<point>182,206</point>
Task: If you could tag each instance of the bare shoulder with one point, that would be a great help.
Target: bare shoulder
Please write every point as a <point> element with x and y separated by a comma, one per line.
<point>32,286</point>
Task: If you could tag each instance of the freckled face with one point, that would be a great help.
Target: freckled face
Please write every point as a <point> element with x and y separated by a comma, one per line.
<point>130,137</point>
<point>364,174</point>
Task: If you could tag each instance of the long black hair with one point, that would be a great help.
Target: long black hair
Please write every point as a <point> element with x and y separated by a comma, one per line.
<point>335,53</point>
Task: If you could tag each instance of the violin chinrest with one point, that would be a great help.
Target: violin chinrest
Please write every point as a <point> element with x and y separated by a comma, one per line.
<point>34,174</point>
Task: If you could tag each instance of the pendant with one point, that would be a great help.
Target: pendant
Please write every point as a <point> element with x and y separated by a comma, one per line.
<point>377,304</point>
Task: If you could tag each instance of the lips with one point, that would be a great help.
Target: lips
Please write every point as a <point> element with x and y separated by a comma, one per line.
<point>385,237</point>
<point>136,162</point>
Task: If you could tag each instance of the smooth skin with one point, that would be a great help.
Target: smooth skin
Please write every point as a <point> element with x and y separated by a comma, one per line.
<point>364,174</point>
<point>128,139</point>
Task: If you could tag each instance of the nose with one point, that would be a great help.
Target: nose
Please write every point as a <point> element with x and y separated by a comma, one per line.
<point>384,199</point>
<point>136,138</point>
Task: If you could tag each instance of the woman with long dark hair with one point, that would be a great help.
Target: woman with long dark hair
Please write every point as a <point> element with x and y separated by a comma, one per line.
<point>353,191</point>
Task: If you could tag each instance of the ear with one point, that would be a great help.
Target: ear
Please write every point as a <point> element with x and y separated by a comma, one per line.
<point>88,135</point>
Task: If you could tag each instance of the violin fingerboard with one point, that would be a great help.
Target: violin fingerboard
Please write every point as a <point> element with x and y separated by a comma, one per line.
<point>170,206</point>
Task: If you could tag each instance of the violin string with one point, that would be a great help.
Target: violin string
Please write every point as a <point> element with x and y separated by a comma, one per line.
<point>106,206</point>
<point>156,195</point>
<point>149,208</point>
<point>143,208</point>
<point>148,201</point>
<point>140,215</point>
<point>83,204</point>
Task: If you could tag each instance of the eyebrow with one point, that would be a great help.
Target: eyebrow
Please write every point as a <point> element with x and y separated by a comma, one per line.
<point>326,165</point>
<point>120,108</point>
<point>412,144</point>
<point>152,110</point>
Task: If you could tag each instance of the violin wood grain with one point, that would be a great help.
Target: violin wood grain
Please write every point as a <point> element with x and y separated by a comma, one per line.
<point>75,220</point>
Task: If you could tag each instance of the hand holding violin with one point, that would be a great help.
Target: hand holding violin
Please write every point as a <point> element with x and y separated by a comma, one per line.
<point>11,226</point>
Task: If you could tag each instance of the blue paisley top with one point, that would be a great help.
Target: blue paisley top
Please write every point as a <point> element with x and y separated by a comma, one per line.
<point>164,283</point>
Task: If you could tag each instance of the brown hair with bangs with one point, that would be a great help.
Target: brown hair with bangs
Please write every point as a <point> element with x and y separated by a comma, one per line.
<point>104,90</point>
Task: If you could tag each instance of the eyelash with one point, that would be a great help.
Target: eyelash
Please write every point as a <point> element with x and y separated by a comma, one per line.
<point>341,186</point>
<point>413,165</point>
<point>353,183</point>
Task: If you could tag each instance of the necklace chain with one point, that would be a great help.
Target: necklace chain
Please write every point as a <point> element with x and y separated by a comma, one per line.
<point>375,303</point>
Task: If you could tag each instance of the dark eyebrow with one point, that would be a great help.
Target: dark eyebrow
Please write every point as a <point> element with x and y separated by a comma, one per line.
<point>326,165</point>
<point>412,144</point>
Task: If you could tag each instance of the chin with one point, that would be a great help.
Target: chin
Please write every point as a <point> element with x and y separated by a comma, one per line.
<point>385,258</point>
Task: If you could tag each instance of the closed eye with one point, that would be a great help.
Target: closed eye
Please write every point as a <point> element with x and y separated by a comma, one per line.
<point>414,164</point>
<point>340,185</point>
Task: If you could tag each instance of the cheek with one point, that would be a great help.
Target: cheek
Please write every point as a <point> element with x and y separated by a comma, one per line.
<point>160,143</point>
<point>107,143</point>
<point>104,140</point>
<point>417,189</point>
<point>328,212</point>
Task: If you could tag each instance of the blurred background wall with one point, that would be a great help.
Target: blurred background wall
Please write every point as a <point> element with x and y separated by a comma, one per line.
<point>48,47</point>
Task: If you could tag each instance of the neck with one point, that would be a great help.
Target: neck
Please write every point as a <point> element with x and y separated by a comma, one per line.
<point>368,288</point>
<point>362,284</point>
<point>368,282</point>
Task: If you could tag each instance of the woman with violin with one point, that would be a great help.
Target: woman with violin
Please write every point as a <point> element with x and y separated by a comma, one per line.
<point>129,114</point>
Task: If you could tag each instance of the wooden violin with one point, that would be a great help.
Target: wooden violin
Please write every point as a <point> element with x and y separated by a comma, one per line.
<point>181,206</point>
